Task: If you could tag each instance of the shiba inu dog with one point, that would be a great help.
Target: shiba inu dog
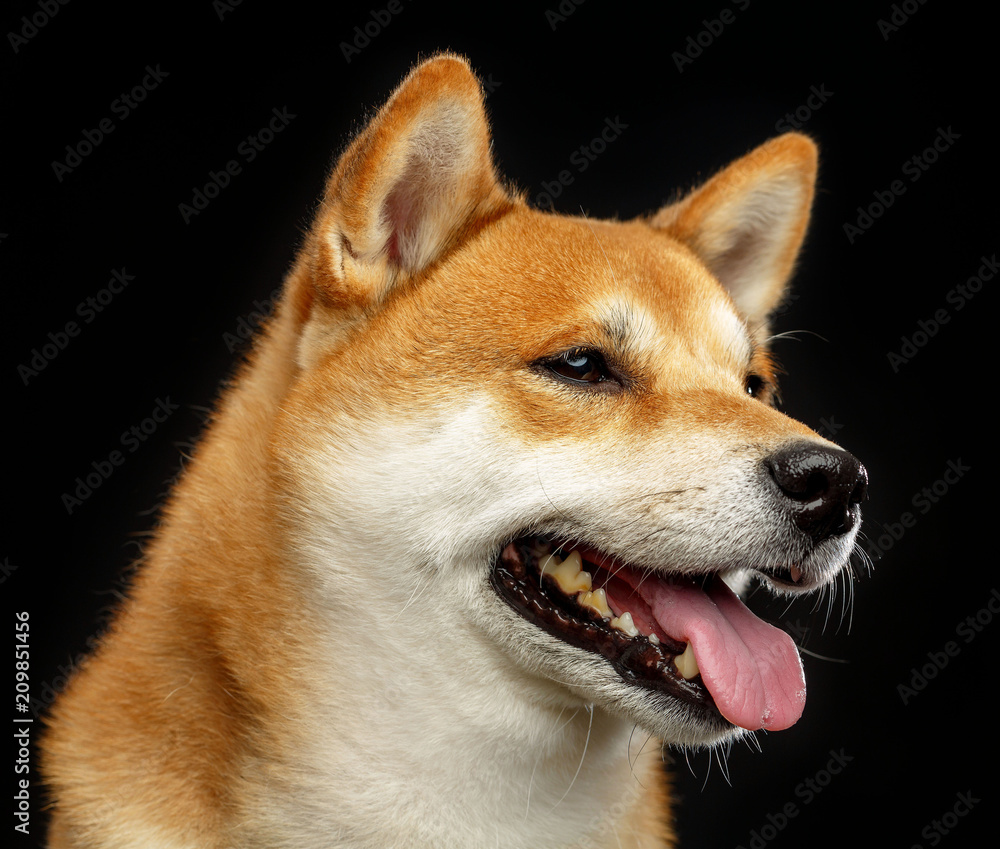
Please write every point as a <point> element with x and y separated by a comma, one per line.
<point>477,506</point>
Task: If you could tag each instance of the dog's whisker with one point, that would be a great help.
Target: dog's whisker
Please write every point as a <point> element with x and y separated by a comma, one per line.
<point>527,807</point>
<point>628,748</point>
<point>552,504</point>
<point>823,656</point>
<point>750,738</point>
<point>687,760</point>
<point>634,761</point>
<point>586,743</point>
<point>618,839</point>
<point>831,600</point>
<point>555,680</point>
<point>788,607</point>
<point>792,334</point>
<point>859,554</point>
<point>708,772</point>
<point>418,591</point>
<point>722,755</point>
<point>849,601</point>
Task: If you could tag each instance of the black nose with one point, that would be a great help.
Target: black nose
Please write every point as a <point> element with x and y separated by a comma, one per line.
<point>821,487</point>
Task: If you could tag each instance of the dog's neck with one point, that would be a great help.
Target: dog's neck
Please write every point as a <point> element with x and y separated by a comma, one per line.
<point>457,747</point>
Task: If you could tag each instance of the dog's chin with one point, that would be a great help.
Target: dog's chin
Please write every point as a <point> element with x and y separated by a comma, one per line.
<point>587,627</point>
<point>814,570</point>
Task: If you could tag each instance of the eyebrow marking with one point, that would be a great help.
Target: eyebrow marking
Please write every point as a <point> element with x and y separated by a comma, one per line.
<point>620,321</point>
<point>740,345</point>
<point>634,335</point>
<point>617,325</point>
<point>628,327</point>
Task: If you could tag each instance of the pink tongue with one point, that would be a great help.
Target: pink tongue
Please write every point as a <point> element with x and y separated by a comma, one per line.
<point>752,669</point>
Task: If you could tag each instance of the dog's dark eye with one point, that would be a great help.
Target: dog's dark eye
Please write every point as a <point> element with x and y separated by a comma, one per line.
<point>580,367</point>
<point>755,385</point>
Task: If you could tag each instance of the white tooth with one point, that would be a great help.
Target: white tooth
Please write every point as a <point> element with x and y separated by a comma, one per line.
<point>686,664</point>
<point>596,601</point>
<point>567,574</point>
<point>653,639</point>
<point>625,623</point>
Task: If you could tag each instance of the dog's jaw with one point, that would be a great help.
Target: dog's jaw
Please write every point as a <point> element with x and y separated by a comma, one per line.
<point>690,642</point>
<point>561,596</point>
<point>423,699</point>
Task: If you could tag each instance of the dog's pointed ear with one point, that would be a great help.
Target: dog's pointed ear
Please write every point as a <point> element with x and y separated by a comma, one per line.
<point>408,187</point>
<point>747,222</point>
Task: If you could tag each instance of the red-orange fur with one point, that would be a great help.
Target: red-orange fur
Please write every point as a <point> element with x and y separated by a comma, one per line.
<point>205,671</point>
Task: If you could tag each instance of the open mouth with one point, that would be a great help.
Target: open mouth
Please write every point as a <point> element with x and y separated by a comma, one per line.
<point>691,639</point>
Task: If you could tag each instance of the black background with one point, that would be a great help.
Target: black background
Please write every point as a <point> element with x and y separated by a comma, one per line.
<point>888,94</point>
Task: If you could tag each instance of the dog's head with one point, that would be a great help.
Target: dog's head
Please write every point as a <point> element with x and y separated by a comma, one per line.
<point>547,443</point>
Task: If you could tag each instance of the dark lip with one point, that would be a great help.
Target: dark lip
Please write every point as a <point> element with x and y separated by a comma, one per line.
<point>517,580</point>
<point>782,578</point>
